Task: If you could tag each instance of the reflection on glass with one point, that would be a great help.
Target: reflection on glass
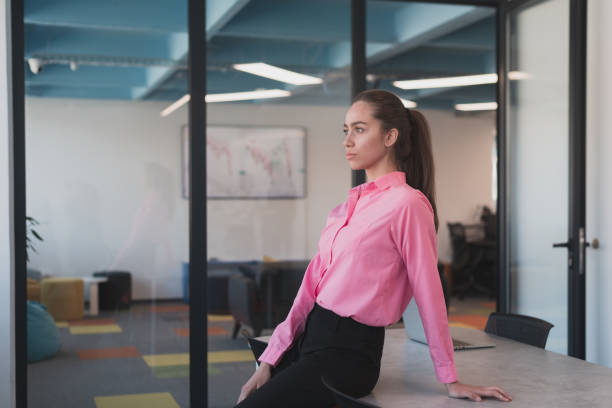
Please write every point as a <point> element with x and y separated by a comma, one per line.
<point>275,166</point>
<point>107,325</point>
<point>537,122</point>
<point>440,59</point>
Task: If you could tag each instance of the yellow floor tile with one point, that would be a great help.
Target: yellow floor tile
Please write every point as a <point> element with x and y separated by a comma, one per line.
<point>220,318</point>
<point>457,324</point>
<point>154,400</point>
<point>61,325</point>
<point>158,360</point>
<point>109,328</point>
<point>234,356</point>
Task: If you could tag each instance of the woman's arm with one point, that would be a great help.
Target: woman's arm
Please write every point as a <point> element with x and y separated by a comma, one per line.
<point>286,332</point>
<point>417,241</point>
<point>415,236</point>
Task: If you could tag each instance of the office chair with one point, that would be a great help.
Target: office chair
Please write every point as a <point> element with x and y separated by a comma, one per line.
<point>466,259</point>
<point>346,401</point>
<point>525,329</point>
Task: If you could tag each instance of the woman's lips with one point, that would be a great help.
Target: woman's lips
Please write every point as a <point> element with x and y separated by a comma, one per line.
<point>350,155</point>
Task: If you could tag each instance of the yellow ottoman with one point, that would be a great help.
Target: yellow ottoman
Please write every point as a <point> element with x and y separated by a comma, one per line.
<point>33,289</point>
<point>63,297</point>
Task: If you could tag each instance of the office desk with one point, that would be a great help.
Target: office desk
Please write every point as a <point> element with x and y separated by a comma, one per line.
<point>532,376</point>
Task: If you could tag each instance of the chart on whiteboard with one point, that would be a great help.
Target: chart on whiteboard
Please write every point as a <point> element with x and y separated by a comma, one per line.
<point>255,161</point>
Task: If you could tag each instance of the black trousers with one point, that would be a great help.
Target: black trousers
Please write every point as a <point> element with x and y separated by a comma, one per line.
<point>343,351</point>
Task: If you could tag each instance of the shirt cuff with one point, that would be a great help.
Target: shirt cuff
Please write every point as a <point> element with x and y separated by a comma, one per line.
<point>446,374</point>
<point>271,355</point>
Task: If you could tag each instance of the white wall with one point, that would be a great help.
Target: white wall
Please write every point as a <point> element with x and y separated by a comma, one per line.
<point>7,364</point>
<point>462,147</point>
<point>104,180</point>
<point>599,190</point>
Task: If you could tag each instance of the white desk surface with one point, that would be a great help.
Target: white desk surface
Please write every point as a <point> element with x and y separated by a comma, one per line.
<point>532,376</point>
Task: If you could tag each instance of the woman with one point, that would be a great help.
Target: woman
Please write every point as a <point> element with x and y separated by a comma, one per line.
<point>377,251</point>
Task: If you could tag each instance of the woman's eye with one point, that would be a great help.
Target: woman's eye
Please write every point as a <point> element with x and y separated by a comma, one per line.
<point>345,131</point>
<point>359,130</point>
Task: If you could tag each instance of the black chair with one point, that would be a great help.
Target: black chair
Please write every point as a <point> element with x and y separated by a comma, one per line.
<point>262,298</point>
<point>116,292</point>
<point>346,401</point>
<point>466,260</point>
<point>525,329</point>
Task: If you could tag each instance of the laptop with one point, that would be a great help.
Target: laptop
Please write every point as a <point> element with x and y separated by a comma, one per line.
<point>416,332</point>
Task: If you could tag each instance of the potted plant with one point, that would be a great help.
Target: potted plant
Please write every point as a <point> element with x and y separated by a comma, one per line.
<point>31,233</point>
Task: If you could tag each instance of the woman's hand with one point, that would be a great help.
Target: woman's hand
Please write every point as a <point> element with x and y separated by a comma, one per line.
<point>259,378</point>
<point>475,393</point>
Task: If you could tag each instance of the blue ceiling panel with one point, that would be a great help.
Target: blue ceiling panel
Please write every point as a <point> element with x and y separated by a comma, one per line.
<point>165,16</point>
<point>79,92</point>
<point>426,62</point>
<point>88,76</point>
<point>478,36</point>
<point>312,20</point>
<point>137,49</point>
<point>49,41</point>
<point>301,55</point>
<point>236,81</point>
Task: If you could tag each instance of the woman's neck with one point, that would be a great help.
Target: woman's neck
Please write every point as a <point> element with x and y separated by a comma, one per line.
<point>374,173</point>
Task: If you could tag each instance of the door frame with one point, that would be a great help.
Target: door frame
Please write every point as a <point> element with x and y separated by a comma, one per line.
<point>576,244</point>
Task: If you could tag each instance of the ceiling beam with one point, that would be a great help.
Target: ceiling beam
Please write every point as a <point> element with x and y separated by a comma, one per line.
<point>218,13</point>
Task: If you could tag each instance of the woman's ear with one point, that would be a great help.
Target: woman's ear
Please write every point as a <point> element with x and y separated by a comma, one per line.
<point>391,137</point>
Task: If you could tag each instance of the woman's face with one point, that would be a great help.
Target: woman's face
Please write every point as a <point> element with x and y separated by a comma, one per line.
<point>364,139</point>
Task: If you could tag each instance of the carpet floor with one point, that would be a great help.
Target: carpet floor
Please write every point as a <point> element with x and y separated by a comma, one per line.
<point>139,358</point>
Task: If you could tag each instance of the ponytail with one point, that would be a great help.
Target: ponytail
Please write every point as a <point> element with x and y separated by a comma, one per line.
<point>415,158</point>
<point>412,150</point>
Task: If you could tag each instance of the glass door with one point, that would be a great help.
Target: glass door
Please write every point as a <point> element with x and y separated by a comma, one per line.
<point>541,173</point>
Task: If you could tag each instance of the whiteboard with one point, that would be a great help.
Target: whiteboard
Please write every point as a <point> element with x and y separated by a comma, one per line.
<point>252,162</point>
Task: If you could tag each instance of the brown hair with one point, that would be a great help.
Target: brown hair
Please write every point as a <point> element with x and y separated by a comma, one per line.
<point>412,150</point>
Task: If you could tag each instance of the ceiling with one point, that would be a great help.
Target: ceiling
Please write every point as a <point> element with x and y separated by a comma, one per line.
<point>137,49</point>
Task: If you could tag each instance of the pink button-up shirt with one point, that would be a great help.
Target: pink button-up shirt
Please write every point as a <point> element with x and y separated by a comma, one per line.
<point>377,251</point>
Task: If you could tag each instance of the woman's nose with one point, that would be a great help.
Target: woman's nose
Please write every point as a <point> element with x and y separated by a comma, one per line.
<point>347,140</point>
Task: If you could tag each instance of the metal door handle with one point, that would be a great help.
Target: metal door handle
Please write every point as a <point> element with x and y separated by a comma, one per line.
<point>561,245</point>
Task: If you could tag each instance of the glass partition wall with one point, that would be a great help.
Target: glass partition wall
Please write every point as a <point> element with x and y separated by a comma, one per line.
<point>278,86</point>
<point>441,60</point>
<point>108,175</point>
<point>107,325</point>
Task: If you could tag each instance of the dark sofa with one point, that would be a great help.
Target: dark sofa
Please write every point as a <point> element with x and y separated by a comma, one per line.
<point>262,295</point>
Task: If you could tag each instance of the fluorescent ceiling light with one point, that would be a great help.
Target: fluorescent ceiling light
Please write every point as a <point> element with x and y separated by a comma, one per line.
<point>229,97</point>
<point>245,96</point>
<point>466,107</point>
<point>518,75</point>
<point>186,98</point>
<point>447,81</point>
<point>467,80</point>
<point>278,74</point>
<point>409,104</point>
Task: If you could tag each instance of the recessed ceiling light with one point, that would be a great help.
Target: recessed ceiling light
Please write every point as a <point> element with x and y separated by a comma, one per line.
<point>278,74</point>
<point>229,97</point>
<point>466,80</point>
<point>186,98</point>
<point>481,106</point>
<point>245,96</point>
<point>408,103</point>
<point>447,81</point>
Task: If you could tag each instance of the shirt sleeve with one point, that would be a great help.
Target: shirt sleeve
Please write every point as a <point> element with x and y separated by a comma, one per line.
<point>416,238</point>
<point>285,333</point>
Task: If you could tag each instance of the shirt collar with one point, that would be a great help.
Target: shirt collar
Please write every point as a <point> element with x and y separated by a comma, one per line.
<point>392,179</point>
